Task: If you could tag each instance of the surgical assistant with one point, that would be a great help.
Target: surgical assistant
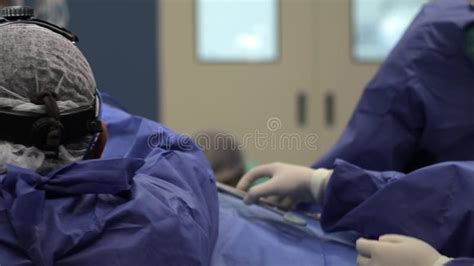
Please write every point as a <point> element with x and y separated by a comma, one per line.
<point>418,109</point>
<point>417,112</point>
<point>403,165</point>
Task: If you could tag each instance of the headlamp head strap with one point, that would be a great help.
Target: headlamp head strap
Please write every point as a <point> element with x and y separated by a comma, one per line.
<point>46,133</point>
<point>25,15</point>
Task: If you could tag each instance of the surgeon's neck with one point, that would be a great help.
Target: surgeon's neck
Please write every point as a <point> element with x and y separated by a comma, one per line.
<point>100,143</point>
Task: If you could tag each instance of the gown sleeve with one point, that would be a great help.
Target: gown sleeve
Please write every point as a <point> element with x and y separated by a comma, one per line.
<point>433,204</point>
<point>461,262</point>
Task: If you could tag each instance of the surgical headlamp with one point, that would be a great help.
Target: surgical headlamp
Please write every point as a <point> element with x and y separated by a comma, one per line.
<point>50,130</point>
<point>25,15</point>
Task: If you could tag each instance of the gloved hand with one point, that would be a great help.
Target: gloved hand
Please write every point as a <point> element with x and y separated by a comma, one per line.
<point>395,250</point>
<point>296,182</point>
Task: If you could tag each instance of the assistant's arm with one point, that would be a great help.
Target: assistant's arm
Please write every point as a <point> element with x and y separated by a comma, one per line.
<point>433,204</point>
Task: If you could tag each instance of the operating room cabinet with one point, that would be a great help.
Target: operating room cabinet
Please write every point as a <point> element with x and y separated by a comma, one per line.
<point>299,104</point>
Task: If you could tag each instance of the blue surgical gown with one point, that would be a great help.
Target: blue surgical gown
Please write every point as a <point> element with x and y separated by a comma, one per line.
<point>415,124</point>
<point>151,200</point>
<point>461,262</point>
<point>434,204</point>
<point>418,110</point>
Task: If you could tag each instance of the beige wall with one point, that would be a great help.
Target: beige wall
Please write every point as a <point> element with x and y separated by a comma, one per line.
<point>241,98</point>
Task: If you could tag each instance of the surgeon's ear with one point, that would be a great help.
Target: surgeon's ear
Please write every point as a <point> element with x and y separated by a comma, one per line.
<point>101,141</point>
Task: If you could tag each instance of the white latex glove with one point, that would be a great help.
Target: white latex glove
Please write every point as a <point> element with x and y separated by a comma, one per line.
<point>396,250</point>
<point>296,182</point>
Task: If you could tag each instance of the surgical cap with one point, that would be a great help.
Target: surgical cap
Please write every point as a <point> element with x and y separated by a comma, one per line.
<point>34,60</point>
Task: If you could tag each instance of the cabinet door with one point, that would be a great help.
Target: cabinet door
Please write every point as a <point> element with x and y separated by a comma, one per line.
<point>340,77</point>
<point>276,109</point>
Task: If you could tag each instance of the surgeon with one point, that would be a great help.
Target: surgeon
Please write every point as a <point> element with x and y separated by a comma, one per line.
<point>404,165</point>
<point>71,196</point>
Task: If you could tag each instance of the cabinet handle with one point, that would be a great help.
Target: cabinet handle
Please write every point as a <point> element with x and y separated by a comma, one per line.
<point>329,109</point>
<point>302,108</point>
